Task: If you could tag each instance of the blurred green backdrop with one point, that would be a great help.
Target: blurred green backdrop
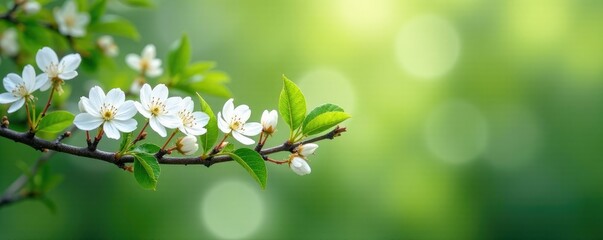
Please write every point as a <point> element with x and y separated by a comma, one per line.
<point>472,119</point>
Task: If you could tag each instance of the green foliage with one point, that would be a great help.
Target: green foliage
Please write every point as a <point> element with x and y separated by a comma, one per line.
<point>147,148</point>
<point>126,139</point>
<point>324,121</point>
<point>115,25</point>
<point>292,105</point>
<point>212,83</point>
<point>179,56</point>
<point>97,10</point>
<point>323,118</point>
<point>253,162</point>
<point>138,3</point>
<point>55,122</point>
<point>146,170</point>
<point>209,138</point>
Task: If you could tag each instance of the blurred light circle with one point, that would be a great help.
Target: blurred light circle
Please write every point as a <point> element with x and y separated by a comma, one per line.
<point>365,16</point>
<point>232,210</point>
<point>515,138</point>
<point>327,86</point>
<point>456,132</point>
<point>428,46</point>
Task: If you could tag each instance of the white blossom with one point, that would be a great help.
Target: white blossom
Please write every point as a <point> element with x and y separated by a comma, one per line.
<point>187,145</point>
<point>146,63</point>
<point>300,166</point>
<point>56,71</point>
<point>70,21</point>
<point>31,7</point>
<point>269,121</point>
<point>161,111</point>
<point>19,89</point>
<point>112,111</point>
<point>193,123</point>
<point>234,120</point>
<point>107,45</point>
<point>307,149</point>
<point>8,42</point>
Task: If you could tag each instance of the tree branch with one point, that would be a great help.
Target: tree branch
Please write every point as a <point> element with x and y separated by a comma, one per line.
<point>110,157</point>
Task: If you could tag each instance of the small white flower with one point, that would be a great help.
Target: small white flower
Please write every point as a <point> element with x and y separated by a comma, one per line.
<point>269,121</point>
<point>300,166</point>
<point>80,104</point>
<point>307,149</point>
<point>108,46</point>
<point>70,21</point>
<point>193,123</point>
<point>161,111</point>
<point>146,63</point>
<point>8,42</point>
<point>19,89</point>
<point>234,120</point>
<point>31,7</point>
<point>187,145</point>
<point>111,111</point>
<point>55,71</point>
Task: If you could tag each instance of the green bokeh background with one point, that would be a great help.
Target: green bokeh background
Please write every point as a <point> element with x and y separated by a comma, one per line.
<point>504,145</point>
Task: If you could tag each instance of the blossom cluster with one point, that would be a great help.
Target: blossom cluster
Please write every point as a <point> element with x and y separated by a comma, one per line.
<point>112,114</point>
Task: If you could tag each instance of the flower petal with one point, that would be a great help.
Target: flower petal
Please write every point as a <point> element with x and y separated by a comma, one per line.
<point>148,52</point>
<point>133,61</point>
<point>89,108</point>
<point>161,92</point>
<point>187,104</point>
<point>97,97</point>
<point>201,118</point>
<point>243,112</point>
<point>126,111</point>
<point>195,130</point>
<point>145,95</point>
<point>45,57</point>
<point>144,112</point>
<point>8,98</point>
<point>154,72</point>
<point>223,125</point>
<point>228,109</point>
<point>87,122</point>
<point>173,104</point>
<point>70,62</point>
<point>169,120</point>
<point>16,106</point>
<point>154,123</point>
<point>251,129</point>
<point>41,80</point>
<point>11,81</point>
<point>46,84</point>
<point>29,78</point>
<point>115,97</point>
<point>242,139</point>
<point>68,75</point>
<point>127,125</point>
<point>111,130</point>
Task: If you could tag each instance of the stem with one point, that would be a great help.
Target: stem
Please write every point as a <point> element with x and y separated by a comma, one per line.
<point>47,103</point>
<point>260,144</point>
<point>276,161</point>
<point>169,139</point>
<point>29,122</point>
<point>217,147</point>
<point>139,137</point>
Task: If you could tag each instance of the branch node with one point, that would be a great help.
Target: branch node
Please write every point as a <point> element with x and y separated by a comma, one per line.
<point>5,122</point>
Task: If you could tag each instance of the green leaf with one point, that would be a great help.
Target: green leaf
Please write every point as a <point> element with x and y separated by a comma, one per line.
<point>147,148</point>
<point>55,122</point>
<point>52,207</point>
<point>126,138</point>
<point>209,138</point>
<point>292,104</point>
<point>114,25</point>
<point>253,163</point>
<point>97,10</point>
<point>146,170</point>
<point>324,121</point>
<point>138,3</point>
<point>212,83</point>
<point>228,148</point>
<point>320,110</point>
<point>179,56</point>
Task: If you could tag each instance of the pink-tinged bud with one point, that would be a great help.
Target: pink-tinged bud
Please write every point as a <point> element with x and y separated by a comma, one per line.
<point>300,166</point>
<point>187,145</point>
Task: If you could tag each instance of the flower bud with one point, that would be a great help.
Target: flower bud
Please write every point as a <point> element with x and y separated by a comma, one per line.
<point>108,46</point>
<point>300,166</point>
<point>269,121</point>
<point>31,7</point>
<point>307,149</point>
<point>187,145</point>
